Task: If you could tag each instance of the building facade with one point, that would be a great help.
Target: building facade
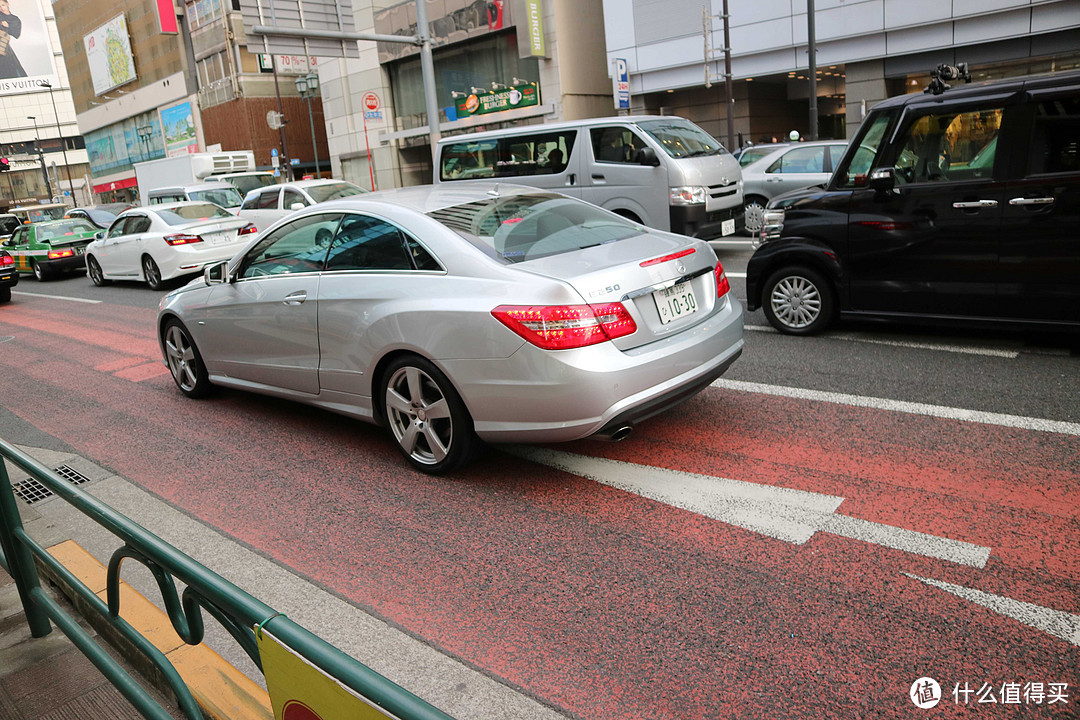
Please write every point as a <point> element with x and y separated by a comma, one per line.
<point>867,50</point>
<point>38,132</point>
<point>152,80</point>
<point>497,62</point>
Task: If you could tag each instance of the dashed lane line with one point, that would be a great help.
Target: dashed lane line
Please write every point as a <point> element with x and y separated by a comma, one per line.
<point>55,297</point>
<point>950,413</point>
<point>786,514</point>
<point>940,347</point>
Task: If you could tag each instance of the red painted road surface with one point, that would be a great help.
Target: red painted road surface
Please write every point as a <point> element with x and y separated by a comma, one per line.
<point>600,603</point>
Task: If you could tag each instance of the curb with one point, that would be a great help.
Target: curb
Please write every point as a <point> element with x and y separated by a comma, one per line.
<point>222,691</point>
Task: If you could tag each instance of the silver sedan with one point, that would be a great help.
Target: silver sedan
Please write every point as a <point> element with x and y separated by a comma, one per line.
<point>487,312</point>
<point>786,167</point>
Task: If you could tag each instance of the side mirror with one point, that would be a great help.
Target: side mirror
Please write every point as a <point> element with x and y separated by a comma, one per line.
<point>99,235</point>
<point>217,274</point>
<point>297,206</point>
<point>883,179</point>
<point>647,156</point>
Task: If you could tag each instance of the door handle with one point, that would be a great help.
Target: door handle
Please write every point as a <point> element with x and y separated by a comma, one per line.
<point>597,176</point>
<point>295,298</point>
<point>571,179</point>
<point>975,204</point>
<point>1032,201</point>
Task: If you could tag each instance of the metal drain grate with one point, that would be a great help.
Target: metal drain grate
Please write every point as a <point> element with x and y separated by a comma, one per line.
<point>32,491</point>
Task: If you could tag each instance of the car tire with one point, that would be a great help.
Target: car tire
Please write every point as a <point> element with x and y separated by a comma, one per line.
<point>93,269</point>
<point>5,294</point>
<point>426,417</point>
<point>798,301</point>
<point>151,273</point>
<point>184,361</point>
<point>754,214</point>
<point>40,273</point>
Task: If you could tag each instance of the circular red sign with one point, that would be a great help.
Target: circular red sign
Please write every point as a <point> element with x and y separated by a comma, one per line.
<point>296,710</point>
<point>370,101</point>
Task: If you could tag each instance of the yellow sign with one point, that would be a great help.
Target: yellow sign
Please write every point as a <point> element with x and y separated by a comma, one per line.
<point>301,691</point>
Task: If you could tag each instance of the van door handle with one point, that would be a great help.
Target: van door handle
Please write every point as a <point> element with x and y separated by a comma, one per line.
<point>975,205</point>
<point>295,298</point>
<point>571,179</point>
<point>597,176</point>
<point>1032,201</point>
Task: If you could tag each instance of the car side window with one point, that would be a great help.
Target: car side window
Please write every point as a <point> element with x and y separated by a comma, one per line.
<point>292,197</point>
<point>615,144</point>
<point>251,202</point>
<point>1054,145</point>
<point>118,227</point>
<point>366,243</point>
<point>949,146</point>
<point>800,160</point>
<point>137,224</point>
<point>269,200</point>
<point>19,236</point>
<point>296,247</point>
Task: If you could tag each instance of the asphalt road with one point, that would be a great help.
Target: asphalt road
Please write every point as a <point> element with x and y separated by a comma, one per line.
<point>834,519</point>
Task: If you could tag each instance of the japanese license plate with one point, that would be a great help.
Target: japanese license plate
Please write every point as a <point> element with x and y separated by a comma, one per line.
<point>219,237</point>
<point>727,227</point>
<point>675,302</point>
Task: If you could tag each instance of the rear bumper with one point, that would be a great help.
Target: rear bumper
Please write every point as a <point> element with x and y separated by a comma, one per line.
<point>555,396</point>
<point>74,263</point>
<point>9,278</point>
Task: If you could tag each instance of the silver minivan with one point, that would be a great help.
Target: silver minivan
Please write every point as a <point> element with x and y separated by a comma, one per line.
<point>661,171</point>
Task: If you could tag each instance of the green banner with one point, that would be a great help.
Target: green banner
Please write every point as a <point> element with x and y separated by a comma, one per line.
<point>511,98</point>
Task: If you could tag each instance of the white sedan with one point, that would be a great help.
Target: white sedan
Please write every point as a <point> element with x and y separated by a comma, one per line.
<point>166,241</point>
<point>265,206</point>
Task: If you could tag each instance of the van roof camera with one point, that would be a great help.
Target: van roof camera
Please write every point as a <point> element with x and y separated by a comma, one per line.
<point>943,73</point>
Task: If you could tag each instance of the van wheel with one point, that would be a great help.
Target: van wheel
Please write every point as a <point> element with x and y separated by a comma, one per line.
<point>798,301</point>
<point>754,213</point>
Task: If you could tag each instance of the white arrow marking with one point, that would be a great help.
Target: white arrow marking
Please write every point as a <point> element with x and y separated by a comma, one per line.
<point>1063,625</point>
<point>782,513</point>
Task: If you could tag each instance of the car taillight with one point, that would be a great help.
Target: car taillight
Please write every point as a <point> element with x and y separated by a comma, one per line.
<point>58,254</point>
<point>248,230</point>
<point>6,260</point>
<point>723,287</point>
<point>561,327</point>
<point>182,239</point>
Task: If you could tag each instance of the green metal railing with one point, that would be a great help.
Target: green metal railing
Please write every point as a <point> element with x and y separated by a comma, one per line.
<point>237,611</point>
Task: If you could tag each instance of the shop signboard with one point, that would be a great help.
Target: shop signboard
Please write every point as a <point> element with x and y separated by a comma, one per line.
<point>509,98</point>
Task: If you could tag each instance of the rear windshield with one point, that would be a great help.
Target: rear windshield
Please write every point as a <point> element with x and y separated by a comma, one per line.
<point>519,228</point>
<point>681,138</point>
<point>322,193</point>
<point>247,183</point>
<point>225,196</point>
<point>189,213</point>
<point>53,231</point>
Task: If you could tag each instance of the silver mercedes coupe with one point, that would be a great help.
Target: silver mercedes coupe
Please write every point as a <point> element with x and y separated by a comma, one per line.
<point>453,315</point>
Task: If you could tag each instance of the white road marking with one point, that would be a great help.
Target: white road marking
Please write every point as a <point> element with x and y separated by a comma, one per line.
<point>781,513</point>
<point>951,413</point>
<point>55,297</point>
<point>941,347</point>
<point>1063,625</point>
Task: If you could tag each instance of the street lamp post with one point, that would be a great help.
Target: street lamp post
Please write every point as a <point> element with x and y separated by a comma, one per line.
<point>308,86</point>
<point>41,157</point>
<point>145,131</point>
<point>63,145</point>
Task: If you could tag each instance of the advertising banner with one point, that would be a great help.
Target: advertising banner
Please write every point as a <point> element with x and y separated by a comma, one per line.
<point>26,55</point>
<point>494,101</point>
<point>534,23</point>
<point>108,53</point>
<point>178,124</point>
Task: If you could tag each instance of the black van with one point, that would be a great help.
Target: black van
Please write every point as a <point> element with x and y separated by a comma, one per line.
<point>956,205</point>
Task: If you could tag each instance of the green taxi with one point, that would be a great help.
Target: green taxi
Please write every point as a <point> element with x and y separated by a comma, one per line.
<point>50,247</point>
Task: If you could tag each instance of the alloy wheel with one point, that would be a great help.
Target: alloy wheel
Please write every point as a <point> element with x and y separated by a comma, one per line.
<point>796,301</point>
<point>419,415</point>
<point>180,353</point>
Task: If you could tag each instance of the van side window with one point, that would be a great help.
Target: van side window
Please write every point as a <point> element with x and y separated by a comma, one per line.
<point>615,144</point>
<point>291,197</point>
<point>1055,140</point>
<point>466,160</point>
<point>269,200</point>
<point>949,146</point>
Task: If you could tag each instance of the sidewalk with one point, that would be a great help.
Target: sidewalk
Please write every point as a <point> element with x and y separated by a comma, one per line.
<point>49,678</point>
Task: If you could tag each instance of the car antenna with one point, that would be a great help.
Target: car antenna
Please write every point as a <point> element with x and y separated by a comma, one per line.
<point>494,191</point>
<point>943,72</point>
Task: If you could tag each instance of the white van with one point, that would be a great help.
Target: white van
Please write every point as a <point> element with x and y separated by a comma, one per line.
<point>662,171</point>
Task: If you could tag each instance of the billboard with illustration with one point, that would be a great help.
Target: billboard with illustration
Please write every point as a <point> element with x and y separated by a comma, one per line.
<point>178,124</point>
<point>108,53</point>
<point>26,55</point>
